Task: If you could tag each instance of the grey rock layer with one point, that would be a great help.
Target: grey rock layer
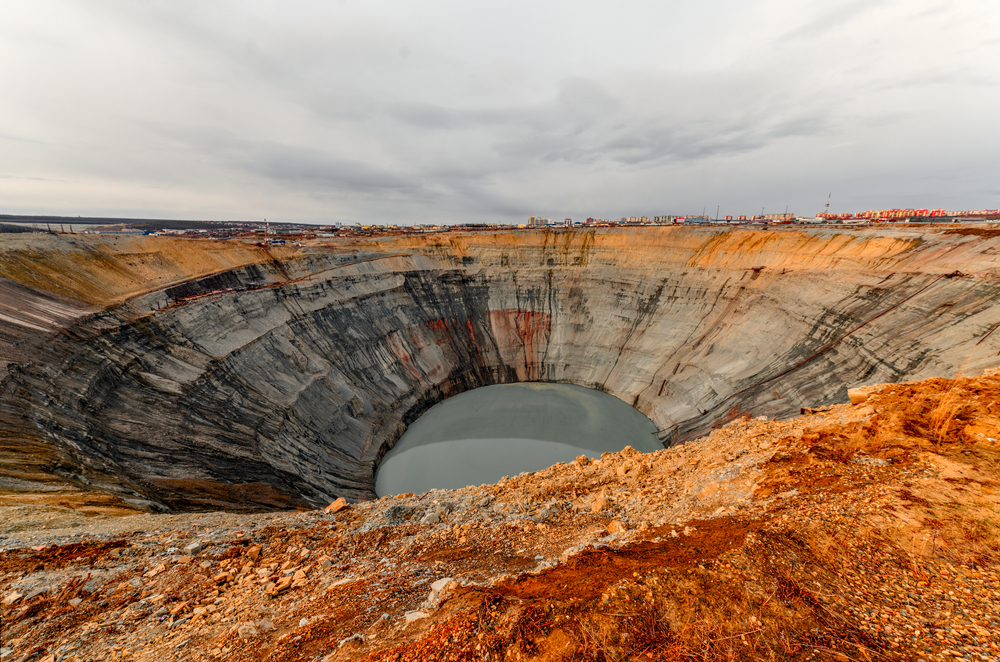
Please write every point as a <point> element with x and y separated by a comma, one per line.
<point>272,394</point>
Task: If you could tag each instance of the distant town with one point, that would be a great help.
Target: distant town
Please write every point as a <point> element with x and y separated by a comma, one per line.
<point>279,233</point>
<point>869,216</point>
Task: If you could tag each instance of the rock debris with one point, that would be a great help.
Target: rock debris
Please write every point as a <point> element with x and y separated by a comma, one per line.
<point>864,531</point>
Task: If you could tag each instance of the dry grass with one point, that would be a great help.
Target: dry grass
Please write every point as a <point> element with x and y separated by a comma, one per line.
<point>974,538</point>
<point>759,611</point>
<point>929,415</point>
<point>642,633</point>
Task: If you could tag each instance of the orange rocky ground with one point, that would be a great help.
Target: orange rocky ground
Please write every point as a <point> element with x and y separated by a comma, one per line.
<point>859,532</point>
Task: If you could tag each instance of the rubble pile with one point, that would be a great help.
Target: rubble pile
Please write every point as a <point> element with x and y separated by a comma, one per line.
<point>859,531</point>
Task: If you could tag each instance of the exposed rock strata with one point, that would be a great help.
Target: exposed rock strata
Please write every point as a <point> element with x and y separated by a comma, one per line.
<point>284,378</point>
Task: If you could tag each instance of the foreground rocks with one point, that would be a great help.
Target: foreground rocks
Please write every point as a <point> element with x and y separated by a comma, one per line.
<point>863,531</point>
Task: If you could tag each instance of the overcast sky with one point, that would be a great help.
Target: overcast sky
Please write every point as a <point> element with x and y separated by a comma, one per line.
<point>415,112</point>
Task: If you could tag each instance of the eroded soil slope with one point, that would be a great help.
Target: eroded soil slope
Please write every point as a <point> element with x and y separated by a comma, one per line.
<point>865,531</point>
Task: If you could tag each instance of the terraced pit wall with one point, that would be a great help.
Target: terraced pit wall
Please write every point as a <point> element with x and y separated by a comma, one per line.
<point>220,374</point>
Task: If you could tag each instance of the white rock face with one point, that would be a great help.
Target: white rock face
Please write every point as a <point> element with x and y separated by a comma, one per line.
<point>414,615</point>
<point>434,597</point>
<point>276,390</point>
<point>430,517</point>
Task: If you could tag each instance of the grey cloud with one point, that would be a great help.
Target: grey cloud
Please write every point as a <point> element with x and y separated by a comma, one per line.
<point>578,101</point>
<point>427,115</point>
<point>831,19</point>
<point>301,106</point>
<point>595,127</point>
<point>803,125</point>
<point>585,99</point>
<point>343,104</point>
<point>8,136</point>
<point>316,168</point>
<point>666,144</point>
<point>301,167</point>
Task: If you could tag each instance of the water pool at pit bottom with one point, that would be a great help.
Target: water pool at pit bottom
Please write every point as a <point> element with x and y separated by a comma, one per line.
<point>479,436</point>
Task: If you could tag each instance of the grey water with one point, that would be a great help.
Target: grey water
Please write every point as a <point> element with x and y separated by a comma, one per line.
<point>481,435</point>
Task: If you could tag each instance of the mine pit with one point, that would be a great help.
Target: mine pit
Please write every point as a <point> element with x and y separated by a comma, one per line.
<point>822,402</point>
<point>193,375</point>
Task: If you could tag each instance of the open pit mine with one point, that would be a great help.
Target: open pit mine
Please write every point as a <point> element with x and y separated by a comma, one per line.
<point>145,378</point>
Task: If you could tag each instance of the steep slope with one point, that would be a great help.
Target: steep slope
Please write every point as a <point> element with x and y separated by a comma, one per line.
<point>284,378</point>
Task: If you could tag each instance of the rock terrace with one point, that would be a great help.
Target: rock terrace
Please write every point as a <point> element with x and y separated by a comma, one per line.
<point>175,374</point>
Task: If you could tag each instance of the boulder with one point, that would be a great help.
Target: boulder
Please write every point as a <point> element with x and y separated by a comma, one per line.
<point>430,517</point>
<point>12,598</point>
<point>434,597</point>
<point>247,630</point>
<point>617,527</point>
<point>599,503</point>
<point>35,593</point>
<point>336,506</point>
<point>860,394</point>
